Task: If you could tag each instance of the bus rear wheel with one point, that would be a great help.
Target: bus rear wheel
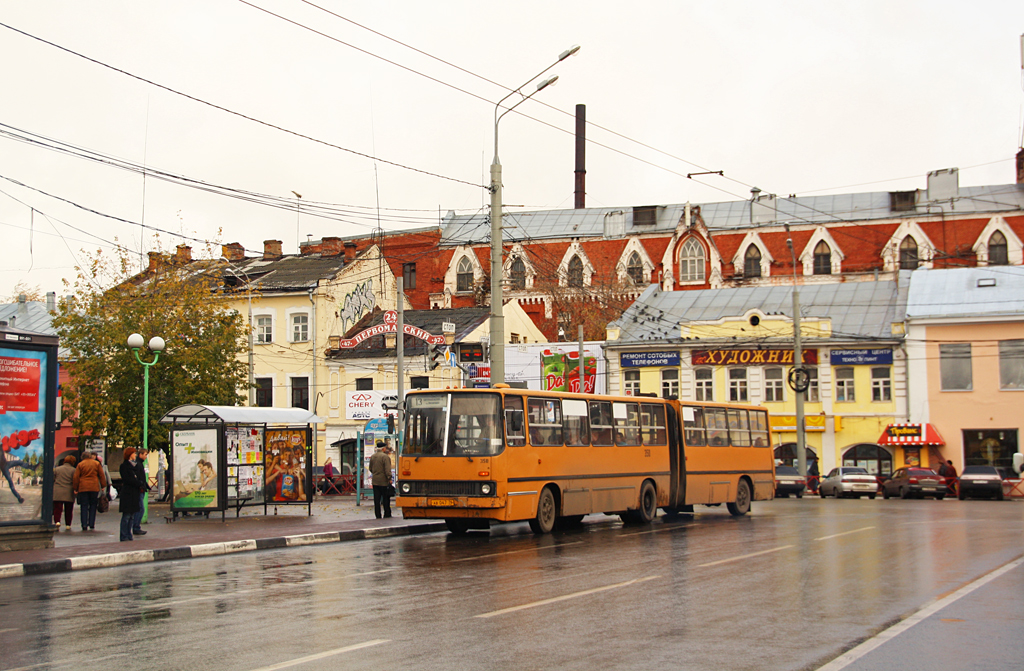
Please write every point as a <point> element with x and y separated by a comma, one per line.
<point>742,504</point>
<point>544,522</point>
<point>648,503</point>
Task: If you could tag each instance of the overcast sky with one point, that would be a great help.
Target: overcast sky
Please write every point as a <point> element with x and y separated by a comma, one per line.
<point>791,97</point>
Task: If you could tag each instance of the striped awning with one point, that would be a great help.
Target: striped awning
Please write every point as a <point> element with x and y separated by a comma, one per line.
<point>911,434</point>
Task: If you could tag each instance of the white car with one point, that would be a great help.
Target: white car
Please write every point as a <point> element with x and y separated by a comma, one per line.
<point>848,481</point>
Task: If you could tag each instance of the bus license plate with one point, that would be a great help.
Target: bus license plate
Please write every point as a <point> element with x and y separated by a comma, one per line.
<point>442,503</point>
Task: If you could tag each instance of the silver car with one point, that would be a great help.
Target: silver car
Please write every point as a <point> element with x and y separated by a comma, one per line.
<point>848,481</point>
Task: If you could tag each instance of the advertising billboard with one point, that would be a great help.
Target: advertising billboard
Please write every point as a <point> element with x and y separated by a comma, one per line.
<point>23,411</point>
<point>195,455</point>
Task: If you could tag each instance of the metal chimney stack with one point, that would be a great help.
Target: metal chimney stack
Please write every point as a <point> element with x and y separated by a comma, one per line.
<point>581,157</point>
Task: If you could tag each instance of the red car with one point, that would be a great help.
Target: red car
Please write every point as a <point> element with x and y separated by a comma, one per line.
<point>909,482</point>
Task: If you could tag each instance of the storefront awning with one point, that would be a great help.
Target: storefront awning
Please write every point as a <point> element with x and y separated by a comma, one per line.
<point>911,434</point>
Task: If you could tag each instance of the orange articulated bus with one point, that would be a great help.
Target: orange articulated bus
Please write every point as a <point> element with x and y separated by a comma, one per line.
<point>477,456</point>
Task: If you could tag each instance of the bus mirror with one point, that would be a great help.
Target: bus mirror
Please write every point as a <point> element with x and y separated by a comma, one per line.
<point>1018,463</point>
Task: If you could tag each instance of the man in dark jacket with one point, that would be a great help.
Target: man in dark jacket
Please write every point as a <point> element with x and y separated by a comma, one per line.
<point>128,495</point>
<point>140,470</point>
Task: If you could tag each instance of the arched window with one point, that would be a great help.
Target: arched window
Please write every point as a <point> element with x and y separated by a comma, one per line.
<point>518,273</point>
<point>575,274</point>
<point>464,275</point>
<point>908,254</point>
<point>691,262</point>
<point>752,262</point>
<point>635,268</point>
<point>997,252</point>
<point>873,457</point>
<point>822,259</point>
<point>786,452</point>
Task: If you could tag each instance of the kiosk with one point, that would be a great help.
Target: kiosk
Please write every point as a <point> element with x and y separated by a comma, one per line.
<point>230,457</point>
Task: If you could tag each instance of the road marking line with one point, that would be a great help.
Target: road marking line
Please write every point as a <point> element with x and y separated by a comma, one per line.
<point>850,656</point>
<point>565,597</point>
<point>512,552</point>
<point>855,531</point>
<point>322,655</point>
<point>752,554</point>
<point>4,631</point>
<point>656,531</point>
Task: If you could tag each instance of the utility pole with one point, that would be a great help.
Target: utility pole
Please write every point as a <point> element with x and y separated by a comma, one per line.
<point>800,375</point>
<point>400,351</point>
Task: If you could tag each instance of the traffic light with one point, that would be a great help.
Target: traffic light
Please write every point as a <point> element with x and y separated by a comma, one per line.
<point>437,355</point>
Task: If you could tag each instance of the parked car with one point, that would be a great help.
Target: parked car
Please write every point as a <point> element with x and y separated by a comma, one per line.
<point>981,481</point>
<point>917,482</point>
<point>849,481</point>
<point>789,481</point>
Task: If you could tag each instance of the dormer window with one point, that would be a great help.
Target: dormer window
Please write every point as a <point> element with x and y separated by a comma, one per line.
<point>752,262</point>
<point>691,262</point>
<point>464,275</point>
<point>518,271</point>
<point>574,274</point>
<point>822,259</point>
<point>908,254</point>
<point>998,254</point>
<point>635,268</point>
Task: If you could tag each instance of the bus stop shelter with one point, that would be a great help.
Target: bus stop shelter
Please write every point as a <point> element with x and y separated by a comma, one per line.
<point>229,457</point>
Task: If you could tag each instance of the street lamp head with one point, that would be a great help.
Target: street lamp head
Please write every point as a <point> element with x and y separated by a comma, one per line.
<point>135,341</point>
<point>568,52</point>
<point>156,344</point>
<point>297,194</point>
<point>546,83</point>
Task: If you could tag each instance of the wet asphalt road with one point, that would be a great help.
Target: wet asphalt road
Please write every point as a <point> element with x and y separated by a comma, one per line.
<point>791,586</point>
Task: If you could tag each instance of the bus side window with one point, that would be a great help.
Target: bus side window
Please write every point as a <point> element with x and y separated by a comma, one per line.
<point>693,426</point>
<point>627,423</point>
<point>718,426</point>
<point>515,425</point>
<point>652,423</point>
<point>601,422</point>
<point>545,418</point>
<point>759,427</point>
<point>574,416</point>
<point>739,428</point>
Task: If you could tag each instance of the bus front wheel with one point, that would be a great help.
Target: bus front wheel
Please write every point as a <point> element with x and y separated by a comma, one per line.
<point>742,504</point>
<point>457,526</point>
<point>544,522</point>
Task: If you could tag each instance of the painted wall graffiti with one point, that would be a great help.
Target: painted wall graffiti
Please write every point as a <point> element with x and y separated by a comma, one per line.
<point>356,304</point>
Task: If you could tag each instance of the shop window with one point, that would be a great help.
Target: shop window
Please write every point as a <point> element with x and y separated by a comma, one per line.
<point>845,385</point>
<point>869,456</point>
<point>881,384</point>
<point>955,367</point>
<point>991,447</point>
<point>773,385</point>
<point>631,382</point>
<point>786,453</point>
<point>1011,364</point>
<point>738,385</point>
<point>670,383</point>
<point>704,384</point>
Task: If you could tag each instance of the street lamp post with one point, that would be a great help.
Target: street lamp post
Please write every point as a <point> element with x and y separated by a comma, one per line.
<point>298,243</point>
<point>497,335</point>
<point>156,345</point>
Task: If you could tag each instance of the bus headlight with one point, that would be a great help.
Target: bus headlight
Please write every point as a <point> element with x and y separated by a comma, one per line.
<point>406,487</point>
<point>485,488</point>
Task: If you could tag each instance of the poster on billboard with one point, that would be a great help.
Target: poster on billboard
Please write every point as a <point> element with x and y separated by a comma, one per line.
<point>195,463</point>
<point>376,431</point>
<point>245,462</point>
<point>287,474</point>
<point>367,404</point>
<point>23,406</point>
<point>560,371</point>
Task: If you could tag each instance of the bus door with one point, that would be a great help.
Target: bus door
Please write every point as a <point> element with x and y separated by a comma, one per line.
<point>677,459</point>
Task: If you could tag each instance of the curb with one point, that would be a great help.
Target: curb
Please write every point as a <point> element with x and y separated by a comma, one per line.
<point>211,549</point>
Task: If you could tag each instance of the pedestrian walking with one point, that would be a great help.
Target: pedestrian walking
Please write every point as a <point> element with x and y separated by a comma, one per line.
<point>64,492</point>
<point>88,482</point>
<point>380,470</point>
<point>128,496</point>
<point>951,481</point>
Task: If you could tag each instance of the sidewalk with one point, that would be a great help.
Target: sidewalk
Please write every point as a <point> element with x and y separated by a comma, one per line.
<point>334,519</point>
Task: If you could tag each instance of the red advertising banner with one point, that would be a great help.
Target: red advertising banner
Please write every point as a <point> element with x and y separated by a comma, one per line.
<point>390,325</point>
<point>19,384</point>
<point>749,357</point>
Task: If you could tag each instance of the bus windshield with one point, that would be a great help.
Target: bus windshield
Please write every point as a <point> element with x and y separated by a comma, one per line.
<point>453,425</point>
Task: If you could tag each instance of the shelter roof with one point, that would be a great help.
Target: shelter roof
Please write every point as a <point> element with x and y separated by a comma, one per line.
<point>230,414</point>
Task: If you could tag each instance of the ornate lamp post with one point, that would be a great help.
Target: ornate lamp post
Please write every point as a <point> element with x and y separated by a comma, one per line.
<point>156,345</point>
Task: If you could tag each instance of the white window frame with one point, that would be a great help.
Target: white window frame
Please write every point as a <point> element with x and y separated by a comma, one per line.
<point>846,387</point>
<point>704,388</point>
<point>692,267</point>
<point>670,382</point>
<point>1011,365</point>
<point>262,314</point>
<point>949,355</point>
<point>630,382</point>
<point>739,389</point>
<point>291,314</point>
<point>881,387</point>
<point>774,389</point>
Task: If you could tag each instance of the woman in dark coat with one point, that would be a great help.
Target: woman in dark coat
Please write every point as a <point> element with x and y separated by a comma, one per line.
<point>128,494</point>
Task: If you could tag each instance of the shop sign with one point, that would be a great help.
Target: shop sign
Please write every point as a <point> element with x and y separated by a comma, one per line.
<point>860,357</point>
<point>787,423</point>
<point>749,357</point>
<point>640,359</point>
